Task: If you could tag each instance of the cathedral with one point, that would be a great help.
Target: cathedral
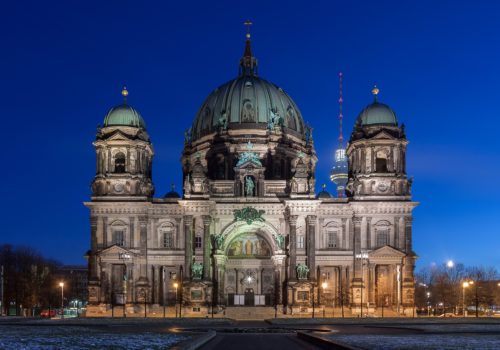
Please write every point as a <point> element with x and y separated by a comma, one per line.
<point>249,230</point>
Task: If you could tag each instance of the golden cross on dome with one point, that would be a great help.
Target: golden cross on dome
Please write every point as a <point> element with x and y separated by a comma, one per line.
<point>124,94</point>
<point>248,23</point>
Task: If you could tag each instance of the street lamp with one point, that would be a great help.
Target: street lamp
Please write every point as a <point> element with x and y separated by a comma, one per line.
<point>61,284</point>
<point>428,304</point>
<point>324,285</point>
<point>175,286</point>
<point>464,285</point>
<point>363,255</point>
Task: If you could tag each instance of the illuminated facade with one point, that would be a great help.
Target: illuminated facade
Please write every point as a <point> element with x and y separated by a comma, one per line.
<point>249,228</point>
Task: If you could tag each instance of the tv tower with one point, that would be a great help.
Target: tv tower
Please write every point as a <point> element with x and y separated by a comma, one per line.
<point>338,175</point>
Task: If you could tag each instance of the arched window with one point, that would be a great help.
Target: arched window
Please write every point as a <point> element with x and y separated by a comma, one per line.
<point>119,163</point>
<point>166,235</point>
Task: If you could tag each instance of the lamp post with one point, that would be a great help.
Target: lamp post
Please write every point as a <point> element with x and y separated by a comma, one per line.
<point>363,255</point>
<point>175,286</point>
<point>477,299</point>
<point>464,285</point>
<point>61,284</point>
<point>324,285</point>
<point>428,304</point>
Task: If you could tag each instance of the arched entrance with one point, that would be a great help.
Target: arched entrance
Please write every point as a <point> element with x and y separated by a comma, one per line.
<point>249,278</point>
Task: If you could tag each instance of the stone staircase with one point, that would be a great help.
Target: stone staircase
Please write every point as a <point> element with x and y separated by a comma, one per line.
<point>250,312</point>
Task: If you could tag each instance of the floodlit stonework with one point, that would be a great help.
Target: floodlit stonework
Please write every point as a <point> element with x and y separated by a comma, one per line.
<point>249,228</point>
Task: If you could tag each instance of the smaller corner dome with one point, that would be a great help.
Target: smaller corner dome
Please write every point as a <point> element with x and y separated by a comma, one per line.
<point>377,114</point>
<point>323,194</point>
<point>172,194</point>
<point>124,115</point>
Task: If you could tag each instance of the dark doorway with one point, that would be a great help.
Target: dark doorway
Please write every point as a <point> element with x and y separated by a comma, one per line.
<point>249,297</point>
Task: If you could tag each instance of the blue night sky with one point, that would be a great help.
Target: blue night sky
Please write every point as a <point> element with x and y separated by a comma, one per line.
<point>437,63</point>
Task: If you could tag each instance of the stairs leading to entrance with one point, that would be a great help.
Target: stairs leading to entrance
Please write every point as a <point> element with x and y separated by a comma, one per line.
<point>250,312</point>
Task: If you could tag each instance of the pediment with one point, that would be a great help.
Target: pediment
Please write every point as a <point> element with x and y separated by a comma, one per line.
<point>250,164</point>
<point>383,135</point>
<point>386,252</point>
<point>115,250</point>
<point>118,136</point>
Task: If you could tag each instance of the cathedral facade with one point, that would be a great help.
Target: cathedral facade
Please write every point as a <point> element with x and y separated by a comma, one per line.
<point>249,229</point>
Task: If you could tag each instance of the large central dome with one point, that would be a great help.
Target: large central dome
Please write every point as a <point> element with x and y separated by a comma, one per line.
<point>247,102</point>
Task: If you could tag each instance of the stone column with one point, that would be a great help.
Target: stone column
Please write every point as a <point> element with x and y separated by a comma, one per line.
<point>368,233</point>
<point>357,279</point>
<point>371,281</point>
<point>143,245</point>
<point>311,245</point>
<point>93,249</point>
<point>396,232</point>
<point>350,241</point>
<point>178,242</point>
<point>292,221</point>
<point>188,237</point>
<point>408,238</point>
<point>206,247</point>
<point>344,233</point>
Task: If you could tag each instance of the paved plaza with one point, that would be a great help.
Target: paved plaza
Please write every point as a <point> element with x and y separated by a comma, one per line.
<point>170,333</point>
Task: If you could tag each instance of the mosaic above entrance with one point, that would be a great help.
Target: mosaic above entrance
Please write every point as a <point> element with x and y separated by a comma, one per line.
<point>249,245</point>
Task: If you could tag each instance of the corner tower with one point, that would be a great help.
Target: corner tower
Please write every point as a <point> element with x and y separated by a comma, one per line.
<point>377,155</point>
<point>124,155</point>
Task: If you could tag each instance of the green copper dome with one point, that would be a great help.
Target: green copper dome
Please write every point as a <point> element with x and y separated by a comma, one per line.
<point>124,115</point>
<point>377,113</point>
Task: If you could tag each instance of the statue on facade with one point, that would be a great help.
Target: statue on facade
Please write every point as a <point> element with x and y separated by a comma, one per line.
<point>197,269</point>
<point>249,186</point>
<point>222,121</point>
<point>218,241</point>
<point>302,271</point>
<point>249,156</point>
<point>309,137</point>
<point>187,136</point>
<point>280,240</point>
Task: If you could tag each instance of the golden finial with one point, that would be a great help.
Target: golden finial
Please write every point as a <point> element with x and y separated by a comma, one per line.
<point>124,94</point>
<point>248,23</point>
<point>375,90</point>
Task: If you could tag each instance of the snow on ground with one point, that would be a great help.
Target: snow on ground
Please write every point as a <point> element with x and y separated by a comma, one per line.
<point>421,341</point>
<point>76,338</point>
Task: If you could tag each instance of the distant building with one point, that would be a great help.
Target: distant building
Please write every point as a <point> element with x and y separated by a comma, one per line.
<point>249,228</point>
<point>75,280</point>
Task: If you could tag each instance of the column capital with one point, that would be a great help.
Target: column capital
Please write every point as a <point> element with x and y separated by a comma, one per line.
<point>357,220</point>
<point>292,220</point>
<point>408,220</point>
<point>207,220</point>
<point>311,219</point>
<point>188,219</point>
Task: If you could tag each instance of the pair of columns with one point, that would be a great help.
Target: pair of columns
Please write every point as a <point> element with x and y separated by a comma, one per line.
<point>189,248</point>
